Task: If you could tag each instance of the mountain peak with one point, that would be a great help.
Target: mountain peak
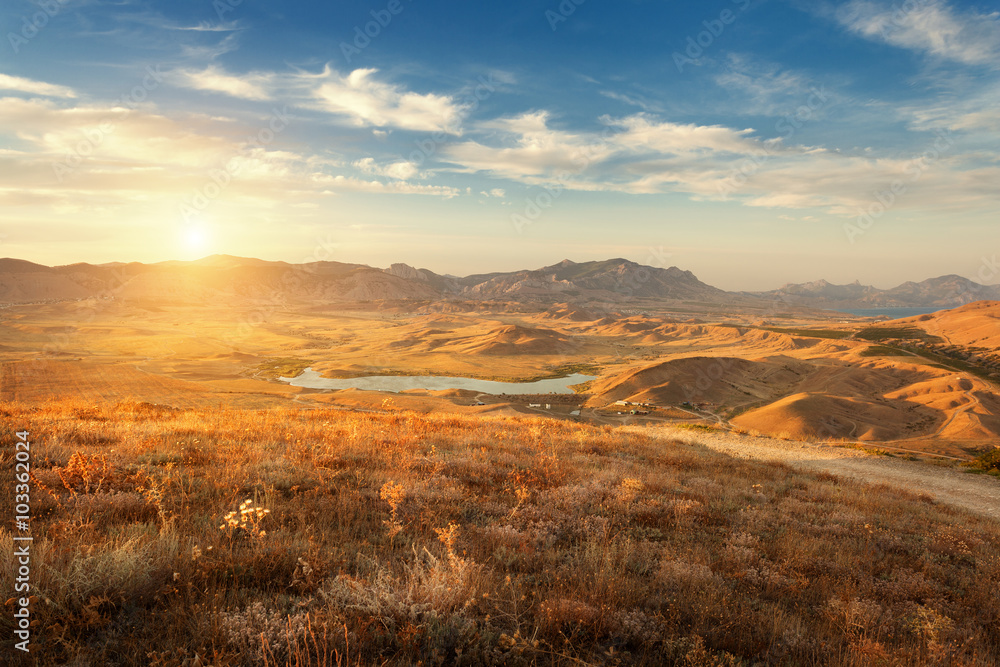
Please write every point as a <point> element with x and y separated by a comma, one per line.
<point>401,270</point>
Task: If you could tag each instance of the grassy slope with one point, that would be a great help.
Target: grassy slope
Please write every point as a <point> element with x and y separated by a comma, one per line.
<point>451,540</point>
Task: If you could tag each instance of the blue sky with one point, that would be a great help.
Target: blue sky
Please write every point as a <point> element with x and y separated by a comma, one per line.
<point>754,142</point>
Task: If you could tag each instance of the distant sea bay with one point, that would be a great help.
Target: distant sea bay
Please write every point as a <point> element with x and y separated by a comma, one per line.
<point>894,313</point>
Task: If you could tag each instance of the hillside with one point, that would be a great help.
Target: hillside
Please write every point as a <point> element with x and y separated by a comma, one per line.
<point>513,340</point>
<point>821,416</point>
<point>320,537</point>
<point>966,338</point>
<point>975,325</point>
<point>906,382</point>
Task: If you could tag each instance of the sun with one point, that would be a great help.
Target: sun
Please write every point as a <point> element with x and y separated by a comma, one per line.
<point>196,239</point>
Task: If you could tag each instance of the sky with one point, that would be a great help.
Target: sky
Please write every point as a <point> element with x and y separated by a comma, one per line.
<point>753,142</point>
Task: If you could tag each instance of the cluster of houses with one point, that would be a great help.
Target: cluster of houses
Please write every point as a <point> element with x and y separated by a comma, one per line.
<point>548,406</point>
<point>637,408</point>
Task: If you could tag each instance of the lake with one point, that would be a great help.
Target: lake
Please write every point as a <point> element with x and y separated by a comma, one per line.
<point>894,313</point>
<point>310,379</point>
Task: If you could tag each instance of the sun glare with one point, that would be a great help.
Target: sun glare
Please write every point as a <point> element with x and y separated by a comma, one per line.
<point>196,240</point>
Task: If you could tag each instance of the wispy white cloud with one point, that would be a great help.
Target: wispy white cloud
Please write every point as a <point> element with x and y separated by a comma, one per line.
<point>973,109</point>
<point>631,100</point>
<point>250,86</point>
<point>643,155</point>
<point>156,20</point>
<point>359,98</point>
<point>402,170</point>
<point>764,88</point>
<point>342,183</point>
<point>111,133</point>
<point>208,52</point>
<point>105,157</point>
<point>929,26</point>
<point>643,133</point>
<point>535,149</point>
<point>363,100</point>
<point>531,151</point>
<point>23,85</point>
<point>208,26</point>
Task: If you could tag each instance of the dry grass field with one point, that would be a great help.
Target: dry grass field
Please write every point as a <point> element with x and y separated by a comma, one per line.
<point>236,536</point>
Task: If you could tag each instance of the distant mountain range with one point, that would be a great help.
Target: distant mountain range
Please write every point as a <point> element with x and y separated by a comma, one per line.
<point>613,281</point>
<point>223,276</point>
<point>944,292</point>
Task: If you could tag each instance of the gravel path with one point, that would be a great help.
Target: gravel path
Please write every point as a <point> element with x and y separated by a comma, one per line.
<point>977,493</point>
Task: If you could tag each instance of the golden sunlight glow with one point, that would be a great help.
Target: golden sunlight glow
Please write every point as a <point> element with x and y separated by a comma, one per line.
<point>196,239</point>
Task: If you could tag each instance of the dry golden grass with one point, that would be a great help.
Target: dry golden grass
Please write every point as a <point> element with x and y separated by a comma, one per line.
<point>318,537</point>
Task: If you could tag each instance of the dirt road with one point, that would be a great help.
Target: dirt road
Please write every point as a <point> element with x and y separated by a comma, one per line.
<point>973,402</point>
<point>977,493</point>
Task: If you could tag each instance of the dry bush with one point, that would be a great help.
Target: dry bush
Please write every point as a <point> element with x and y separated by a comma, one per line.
<point>85,473</point>
<point>563,614</point>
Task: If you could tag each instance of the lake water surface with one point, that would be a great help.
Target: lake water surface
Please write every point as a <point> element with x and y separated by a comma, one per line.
<point>313,380</point>
<point>894,313</point>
